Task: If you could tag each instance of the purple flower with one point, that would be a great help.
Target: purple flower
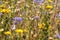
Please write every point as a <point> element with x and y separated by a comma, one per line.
<point>58,36</point>
<point>0,2</point>
<point>36,17</point>
<point>14,22</point>
<point>39,1</point>
<point>18,18</point>
<point>0,13</point>
<point>58,16</point>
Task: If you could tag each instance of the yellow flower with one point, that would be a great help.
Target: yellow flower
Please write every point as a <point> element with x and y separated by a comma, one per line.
<point>8,10</point>
<point>41,25</point>
<point>5,10</point>
<point>1,29</point>
<point>49,7</point>
<point>19,31</point>
<point>24,30</point>
<point>7,33</point>
<point>50,0</point>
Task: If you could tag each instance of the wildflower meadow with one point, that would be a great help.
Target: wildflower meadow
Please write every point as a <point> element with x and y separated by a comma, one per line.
<point>29,19</point>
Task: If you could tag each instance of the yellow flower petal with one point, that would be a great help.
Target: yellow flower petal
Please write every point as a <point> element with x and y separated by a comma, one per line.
<point>24,30</point>
<point>49,7</point>
<point>7,33</point>
<point>18,30</point>
<point>41,25</point>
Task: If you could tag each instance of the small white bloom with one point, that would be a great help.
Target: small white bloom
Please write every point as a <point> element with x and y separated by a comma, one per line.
<point>13,27</point>
<point>50,38</point>
<point>1,29</point>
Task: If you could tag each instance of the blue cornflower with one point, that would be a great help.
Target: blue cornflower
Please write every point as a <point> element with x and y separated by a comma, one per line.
<point>39,1</point>
<point>18,18</point>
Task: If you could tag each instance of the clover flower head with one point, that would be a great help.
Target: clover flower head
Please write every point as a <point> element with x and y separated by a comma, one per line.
<point>7,33</point>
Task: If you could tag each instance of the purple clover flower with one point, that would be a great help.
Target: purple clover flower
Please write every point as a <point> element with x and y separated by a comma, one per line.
<point>39,1</point>
<point>36,17</point>
<point>18,18</point>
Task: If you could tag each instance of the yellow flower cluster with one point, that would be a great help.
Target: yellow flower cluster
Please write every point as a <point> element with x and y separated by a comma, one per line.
<point>42,25</point>
<point>5,10</point>
<point>20,30</point>
<point>7,33</point>
<point>49,7</point>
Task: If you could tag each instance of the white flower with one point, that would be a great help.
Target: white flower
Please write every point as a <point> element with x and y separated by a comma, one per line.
<point>50,37</point>
<point>13,27</point>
